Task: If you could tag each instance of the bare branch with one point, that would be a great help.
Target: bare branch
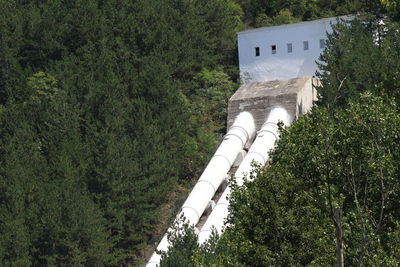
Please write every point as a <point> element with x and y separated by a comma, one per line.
<point>377,141</point>
<point>337,92</point>
<point>353,184</point>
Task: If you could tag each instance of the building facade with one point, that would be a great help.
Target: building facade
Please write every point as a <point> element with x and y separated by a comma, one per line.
<point>282,52</point>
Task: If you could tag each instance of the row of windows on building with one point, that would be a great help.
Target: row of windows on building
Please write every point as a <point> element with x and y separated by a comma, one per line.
<point>289,47</point>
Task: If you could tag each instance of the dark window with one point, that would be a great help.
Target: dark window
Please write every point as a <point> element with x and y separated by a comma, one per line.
<point>289,48</point>
<point>305,45</point>
<point>322,43</point>
<point>273,49</point>
<point>257,51</point>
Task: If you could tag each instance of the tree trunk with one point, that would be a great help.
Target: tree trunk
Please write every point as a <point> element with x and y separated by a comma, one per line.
<point>339,238</point>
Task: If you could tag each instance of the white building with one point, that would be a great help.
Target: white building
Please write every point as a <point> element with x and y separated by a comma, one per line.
<point>282,52</point>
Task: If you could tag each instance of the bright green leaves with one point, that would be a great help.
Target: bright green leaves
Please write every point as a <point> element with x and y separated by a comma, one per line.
<point>211,99</point>
<point>392,6</point>
<point>258,13</point>
<point>344,156</point>
<point>185,250</point>
<point>42,86</point>
<point>284,16</point>
<point>342,159</point>
<point>346,160</point>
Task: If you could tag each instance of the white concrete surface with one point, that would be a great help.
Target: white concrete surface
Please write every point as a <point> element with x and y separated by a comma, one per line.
<point>282,64</point>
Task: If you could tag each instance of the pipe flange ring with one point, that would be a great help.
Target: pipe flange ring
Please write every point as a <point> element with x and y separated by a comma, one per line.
<point>269,131</point>
<point>243,143</point>
<point>223,156</point>
<point>208,182</point>
<point>258,153</point>
<point>187,207</point>
<point>241,129</point>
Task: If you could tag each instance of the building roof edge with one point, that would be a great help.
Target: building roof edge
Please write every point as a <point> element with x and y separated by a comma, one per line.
<point>295,24</point>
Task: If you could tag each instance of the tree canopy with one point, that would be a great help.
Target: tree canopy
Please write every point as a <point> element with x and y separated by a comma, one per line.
<point>330,193</point>
<point>107,106</point>
<point>345,161</point>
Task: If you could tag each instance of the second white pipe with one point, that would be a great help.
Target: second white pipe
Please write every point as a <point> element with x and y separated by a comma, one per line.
<point>258,153</point>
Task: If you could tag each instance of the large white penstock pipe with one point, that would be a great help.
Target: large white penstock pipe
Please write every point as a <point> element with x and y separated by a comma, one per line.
<point>258,153</point>
<point>242,130</point>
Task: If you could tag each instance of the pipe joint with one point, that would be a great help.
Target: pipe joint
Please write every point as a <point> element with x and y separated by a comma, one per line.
<point>245,122</point>
<point>241,129</point>
<point>270,127</point>
<point>259,154</point>
<point>238,136</point>
<point>209,183</point>
<point>224,157</point>
<point>190,208</point>
<point>274,133</point>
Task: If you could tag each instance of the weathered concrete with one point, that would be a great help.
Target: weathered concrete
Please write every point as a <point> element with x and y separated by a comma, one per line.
<point>295,95</point>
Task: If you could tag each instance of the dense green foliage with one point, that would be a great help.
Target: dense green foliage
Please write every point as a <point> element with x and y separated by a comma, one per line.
<point>104,107</point>
<point>340,159</point>
<point>358,59</point>
<point>260,13</point>
<point>283,216</point>
<point>347,160</point>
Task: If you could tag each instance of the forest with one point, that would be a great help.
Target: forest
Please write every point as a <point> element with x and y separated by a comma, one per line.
<point>110,109</point>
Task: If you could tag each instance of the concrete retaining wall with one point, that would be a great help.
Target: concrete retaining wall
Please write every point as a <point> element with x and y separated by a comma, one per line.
<point>295,95</point>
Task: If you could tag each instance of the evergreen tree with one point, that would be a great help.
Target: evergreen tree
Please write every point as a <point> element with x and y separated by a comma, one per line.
<point>356,60</point>
<point>100,98</point>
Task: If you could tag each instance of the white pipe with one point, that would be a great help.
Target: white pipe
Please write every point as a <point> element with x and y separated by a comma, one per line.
<point>258,153</point>
<point>242,130</point>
